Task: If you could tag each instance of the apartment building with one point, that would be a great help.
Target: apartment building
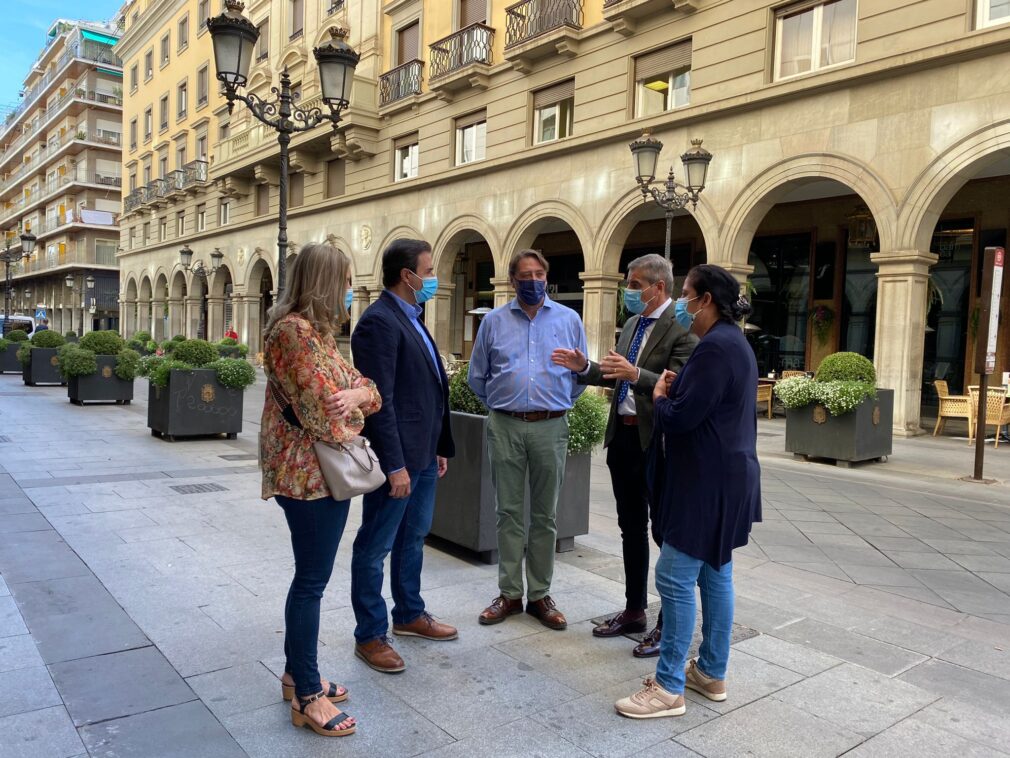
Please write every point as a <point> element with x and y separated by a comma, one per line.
<point>860,155</point>
<point>173,112</point>
<point>61,179</point>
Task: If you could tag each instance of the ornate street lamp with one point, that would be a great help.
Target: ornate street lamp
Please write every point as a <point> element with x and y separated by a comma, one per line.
<point>198,268</point>
<point>9,258</point>
<point>673,196</point>
<point>234,38</point>
<point>89,284</point>
<point>862,227</point>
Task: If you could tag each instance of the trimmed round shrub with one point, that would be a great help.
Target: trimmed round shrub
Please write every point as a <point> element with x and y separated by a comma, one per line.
<point>127,364</point>
<point>233,373</point>
<point>228,341</point>
<point>135,344</point>
<point>76,361</point>
<point>462,398</point>
<point>107,342</point>
<point>846,367</point>
<point>150,346</point>
<point>47,338</point>
<point>587,423</point>
<point>142,336</point>
<point>196,353</point>
<point>168,346</point>
<point>179,338</point>
<point>159,373</point>
<point>17,335</point>
<point>70,335</point>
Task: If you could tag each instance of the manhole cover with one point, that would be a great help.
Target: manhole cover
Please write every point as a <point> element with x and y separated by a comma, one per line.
<point>738,634</point>
<point>193,489</point>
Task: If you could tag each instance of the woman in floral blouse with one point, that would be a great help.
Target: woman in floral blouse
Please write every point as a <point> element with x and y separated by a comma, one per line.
<point>330,400</point>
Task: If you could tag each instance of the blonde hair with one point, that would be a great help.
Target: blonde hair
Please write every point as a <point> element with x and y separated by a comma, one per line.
<point>317,281</point>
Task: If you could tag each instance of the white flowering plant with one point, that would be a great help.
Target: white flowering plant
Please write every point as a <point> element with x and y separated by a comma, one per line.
<point>841,385</point>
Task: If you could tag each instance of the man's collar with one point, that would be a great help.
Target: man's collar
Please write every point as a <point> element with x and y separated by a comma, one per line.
<point>659,310</point>
<point>411,309</point>
<point>548,303</point>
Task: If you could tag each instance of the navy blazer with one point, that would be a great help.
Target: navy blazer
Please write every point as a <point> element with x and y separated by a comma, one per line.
<point>412,427</point>
<point>712,490</point>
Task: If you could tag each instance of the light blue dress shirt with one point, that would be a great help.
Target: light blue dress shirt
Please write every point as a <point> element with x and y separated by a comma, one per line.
<point>511,368</point>
<point>413,312</point>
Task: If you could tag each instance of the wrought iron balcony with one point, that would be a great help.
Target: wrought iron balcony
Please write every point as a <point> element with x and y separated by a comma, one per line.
<point>400,82</point>
<point>532,18</point>
<point>131,202</point>
<point>196,174</point>
<point>471,44</point>
<point>146,193</point>
<point>176,180</point>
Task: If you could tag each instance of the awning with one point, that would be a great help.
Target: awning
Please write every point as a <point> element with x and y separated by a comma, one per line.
<point>110,72</point>
<point>105,39</point>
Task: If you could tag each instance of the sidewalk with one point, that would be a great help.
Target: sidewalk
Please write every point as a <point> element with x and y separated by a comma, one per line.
<point>143,584</point>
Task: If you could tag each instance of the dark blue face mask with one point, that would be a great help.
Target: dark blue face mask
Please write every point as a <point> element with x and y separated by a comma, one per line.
<point>531,291</point>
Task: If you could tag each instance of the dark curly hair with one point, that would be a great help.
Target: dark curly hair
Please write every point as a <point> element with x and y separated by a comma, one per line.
<point>724,289</point>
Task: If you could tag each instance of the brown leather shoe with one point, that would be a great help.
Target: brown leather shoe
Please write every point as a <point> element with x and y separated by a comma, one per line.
<point>500,609</point>
<point>426,626</point>
<point>649,646</point>
<point>379,654</point>
<point>623,623</point>
<point>548,613</point>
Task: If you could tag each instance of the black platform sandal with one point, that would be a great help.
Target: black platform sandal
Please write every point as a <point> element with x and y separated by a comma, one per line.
<point>331,728</point>
<point>336,693</point>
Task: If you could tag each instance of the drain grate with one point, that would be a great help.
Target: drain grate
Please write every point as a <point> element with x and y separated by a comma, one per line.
<point>739,632</point>
<point>4,438</point>
<point>193,489</point>
<point>240,457</point>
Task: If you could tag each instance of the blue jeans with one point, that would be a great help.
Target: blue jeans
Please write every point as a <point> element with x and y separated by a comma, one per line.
<point>676,575</point>
<point>397,525</point>
<point>316,527</point>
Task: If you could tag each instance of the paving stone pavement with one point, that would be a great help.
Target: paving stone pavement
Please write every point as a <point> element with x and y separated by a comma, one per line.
<point>136,620</point>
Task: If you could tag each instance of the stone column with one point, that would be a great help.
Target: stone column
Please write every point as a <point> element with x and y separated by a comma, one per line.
<point>192,315</point>
<point>438,318</point>
<point>158,320</point>
<point>128,317</point>
<point>215,318</point>
<point>144,315</point>
<point>599,311</point>
<point>902,280</point>
<point>176,320</point>
<point>246,314</point>
<point>359,304</point>
<point>503,291</point>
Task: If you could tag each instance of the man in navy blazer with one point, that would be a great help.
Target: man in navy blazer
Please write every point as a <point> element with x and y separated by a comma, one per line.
<point>412,437</point>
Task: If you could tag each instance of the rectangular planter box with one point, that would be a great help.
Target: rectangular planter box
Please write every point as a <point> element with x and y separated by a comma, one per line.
<point>9,363</point>
<point>862,435</point>
<point>465,510</point>
<point>44,368</point>
<point>193,404</point>
<point>101,387</point>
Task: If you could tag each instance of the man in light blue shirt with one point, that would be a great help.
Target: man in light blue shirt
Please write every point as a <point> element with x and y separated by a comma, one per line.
<point>527,431</point>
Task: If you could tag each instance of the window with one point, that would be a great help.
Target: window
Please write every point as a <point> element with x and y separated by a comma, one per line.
<point>166,44</point>
<point>408,43</point>
<point>133,181</point>
<point>992,12</point>
<point>146,233</point>
<point>148,65</point>
<point>201,147</point>
<point>147,170</point>
<point>202,14</point>
<point>263,43</point>
<point>553,109</point>
<point>148,124</point>
<point>133,134</point>
<point>223,129</point>
<point>334,178</point>
<point>133,237</point>
<point>163,230</point>
<point>163,166</point>
<point>663,79</point>
<point>201,217</point>
<point>163,113</point>
<point>472,12</point>
<point>133,77</point>
<point>471,138</point>
<point>180,223</point>
<point>180,155</point>
<point>262,199</point>
<point>182,100</point>
<point>202,85</point>
<point>406,154</point>
<point>814,35</point>
<point>296,18</point>
<point>225,212</point>
<point>296,190</point>
<point>183,32</point>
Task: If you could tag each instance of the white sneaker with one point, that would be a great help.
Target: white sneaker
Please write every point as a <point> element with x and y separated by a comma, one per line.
<point>651,702</point>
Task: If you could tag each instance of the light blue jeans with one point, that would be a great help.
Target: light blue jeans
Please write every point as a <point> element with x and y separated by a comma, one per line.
<point>676,575</point>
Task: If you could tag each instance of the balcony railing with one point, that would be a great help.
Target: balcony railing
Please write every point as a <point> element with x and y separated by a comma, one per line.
<point>131,202</point>
<point>161,188</point>
<point>176,180</point>
<point>471,44</point>
<point>531,18</point>
<point>146,193</point>
<point>400,82</point>
<point>335,5</point>
<point>196,173</point>
<point>55,221</point>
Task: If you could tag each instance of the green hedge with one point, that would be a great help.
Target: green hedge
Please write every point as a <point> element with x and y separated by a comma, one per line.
<point>47,338</point>
<point>76,361</point>
<point>107,342</point>
<point>196,353</point>
<point>234,373</point>
<point>846,367</point>
<point>17,335</point>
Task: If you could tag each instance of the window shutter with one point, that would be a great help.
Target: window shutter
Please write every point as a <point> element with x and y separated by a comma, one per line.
<point>408,43</point>
<point>792,10</point>
<point>663,61</point>
<point>470,119</point>
<point>404,141</point>
<point>334,178</point>
<point>472,12</point>
<point>554,94</point>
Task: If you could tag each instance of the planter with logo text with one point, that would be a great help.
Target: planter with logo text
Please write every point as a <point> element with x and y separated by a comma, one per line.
<point>194,404</point>
<point>42,368</point>
<point>863,434</point>
<point>9,363</point>
<point>465,511</point>
<point>103,386</point>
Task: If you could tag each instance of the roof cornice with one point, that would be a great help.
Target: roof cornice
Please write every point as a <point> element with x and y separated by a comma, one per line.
<point>152,21</point>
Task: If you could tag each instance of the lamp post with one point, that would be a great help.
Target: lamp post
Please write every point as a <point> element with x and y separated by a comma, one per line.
<point>199,270</point>
<point>645,153</point>
<point>9,258</point>
<point>234,38</point>
<point>87,286</point>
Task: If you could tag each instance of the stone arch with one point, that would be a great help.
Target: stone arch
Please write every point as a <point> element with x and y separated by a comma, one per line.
<point>527,226</point>
<point>220,280</point>
<point>443,254</point>
<point>178,289</point>
<point>131,291</point>
<point>146,288</point>
<point>626,213</point>
<point>254,278</point>
<point>763,191</point>
<point>946,174</point>
<point>397,233</point>
<point>294,57</point>
<point>257,79</point>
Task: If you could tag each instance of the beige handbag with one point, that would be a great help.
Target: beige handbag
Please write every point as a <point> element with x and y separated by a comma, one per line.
<point>350,468</point>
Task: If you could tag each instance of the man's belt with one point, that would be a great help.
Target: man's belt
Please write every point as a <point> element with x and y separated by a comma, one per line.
<point>629,420</point>
<point>534,415</point>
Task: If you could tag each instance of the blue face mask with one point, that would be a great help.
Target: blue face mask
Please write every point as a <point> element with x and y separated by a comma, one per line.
<point>680,312</point>
<point>348,299</point>
<point>429,287</point>
<point>531,291</point>
<point>633,302</point>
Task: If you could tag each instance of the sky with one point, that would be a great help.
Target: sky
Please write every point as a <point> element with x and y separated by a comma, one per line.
<point>23,34</point>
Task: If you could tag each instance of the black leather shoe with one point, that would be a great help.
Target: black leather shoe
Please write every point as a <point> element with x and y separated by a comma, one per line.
<point>623,623</point>
<point>649,646</point>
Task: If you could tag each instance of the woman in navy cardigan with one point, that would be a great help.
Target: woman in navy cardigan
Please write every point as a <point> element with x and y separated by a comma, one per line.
<point>712,492</point>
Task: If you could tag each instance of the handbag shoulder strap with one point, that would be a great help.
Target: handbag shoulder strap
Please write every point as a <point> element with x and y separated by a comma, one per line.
<point>287,411</point>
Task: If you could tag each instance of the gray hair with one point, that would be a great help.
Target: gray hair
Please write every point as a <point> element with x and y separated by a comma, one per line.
<point>654,268</point>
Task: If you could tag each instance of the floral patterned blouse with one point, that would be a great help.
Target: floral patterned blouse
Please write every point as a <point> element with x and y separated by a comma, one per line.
<point>309,368</point>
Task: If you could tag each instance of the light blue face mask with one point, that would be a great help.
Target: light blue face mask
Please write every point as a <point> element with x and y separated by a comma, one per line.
<point>429,286</point>
<point>633,302</point>
<point>348,300</point>
<point>680,312</point>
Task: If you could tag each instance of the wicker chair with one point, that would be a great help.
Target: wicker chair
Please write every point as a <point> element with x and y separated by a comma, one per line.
<point>764,395</point>
<point>951,406</point>
<point>997,411</point>
<point>788,374</point>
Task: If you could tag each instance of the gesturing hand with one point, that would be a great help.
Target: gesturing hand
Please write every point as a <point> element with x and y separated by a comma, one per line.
<point>573,360</point>
<point>662,388</point>
<point>443,465</point>
<point>616,366</point>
